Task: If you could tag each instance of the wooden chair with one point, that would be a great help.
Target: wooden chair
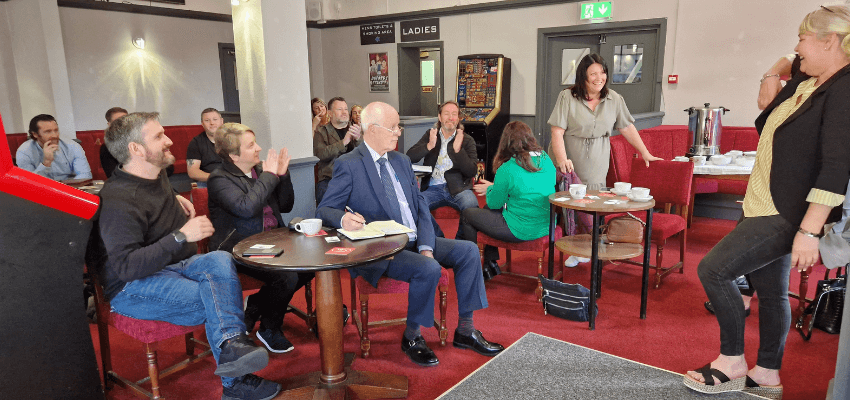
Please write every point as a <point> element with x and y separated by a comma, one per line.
<point>147,332</point>
<point>539,245</point>
<point>200,199</point>
<point>669,183</point>
<point>391,286</point>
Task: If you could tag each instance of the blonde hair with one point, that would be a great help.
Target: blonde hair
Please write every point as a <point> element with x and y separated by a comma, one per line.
<point>827,20</point>
<point>227,140</point>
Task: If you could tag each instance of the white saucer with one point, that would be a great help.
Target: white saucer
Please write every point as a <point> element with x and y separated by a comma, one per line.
<point>626,193</point>
<point>632,198</point>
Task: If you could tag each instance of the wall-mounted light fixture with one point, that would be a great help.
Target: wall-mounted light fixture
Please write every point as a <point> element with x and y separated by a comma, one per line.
<point>234,2</point>
<point>139,43</point>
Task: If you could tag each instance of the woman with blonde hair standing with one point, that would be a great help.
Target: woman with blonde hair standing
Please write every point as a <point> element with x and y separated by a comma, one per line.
<point>798,180</point>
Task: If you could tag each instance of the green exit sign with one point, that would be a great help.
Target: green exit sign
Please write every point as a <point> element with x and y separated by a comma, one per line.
<point>598,10</point>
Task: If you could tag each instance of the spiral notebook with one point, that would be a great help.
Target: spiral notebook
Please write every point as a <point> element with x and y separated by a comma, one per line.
<point>376,229</point>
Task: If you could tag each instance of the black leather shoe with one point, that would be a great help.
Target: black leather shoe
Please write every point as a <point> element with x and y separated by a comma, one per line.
<point>418,351</point>
<point>476,342</point>
<point>710,309</point>
<point>490,270</point>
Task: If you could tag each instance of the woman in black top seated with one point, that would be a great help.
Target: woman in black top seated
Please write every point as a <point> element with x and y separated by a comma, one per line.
<point>247,197</point>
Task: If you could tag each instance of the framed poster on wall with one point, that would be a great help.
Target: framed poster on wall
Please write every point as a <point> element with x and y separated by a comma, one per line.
<point>379,79</point>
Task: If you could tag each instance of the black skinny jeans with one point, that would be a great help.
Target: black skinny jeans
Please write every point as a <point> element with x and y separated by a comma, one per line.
<point>760,247</point>
<point>492,223</point>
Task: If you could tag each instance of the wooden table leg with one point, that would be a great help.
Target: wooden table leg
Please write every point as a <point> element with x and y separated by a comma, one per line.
<point>335,380</point>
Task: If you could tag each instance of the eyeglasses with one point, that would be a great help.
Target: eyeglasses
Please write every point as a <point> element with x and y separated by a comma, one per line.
<point>397,131</point>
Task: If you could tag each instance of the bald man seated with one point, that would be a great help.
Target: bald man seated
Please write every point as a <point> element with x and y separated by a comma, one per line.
<point>387,190</point>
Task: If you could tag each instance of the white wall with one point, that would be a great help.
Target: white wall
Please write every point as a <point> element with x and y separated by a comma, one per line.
<point>719,49</point>
<point>178,73</point>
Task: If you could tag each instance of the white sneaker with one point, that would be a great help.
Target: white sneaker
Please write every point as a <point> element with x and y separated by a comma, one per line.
<point>572,261</point>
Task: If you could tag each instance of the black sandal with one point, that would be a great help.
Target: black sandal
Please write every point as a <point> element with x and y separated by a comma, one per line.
<point>724,384</point>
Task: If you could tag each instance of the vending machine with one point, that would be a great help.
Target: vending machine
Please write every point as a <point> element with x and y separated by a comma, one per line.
<point>484,96</point>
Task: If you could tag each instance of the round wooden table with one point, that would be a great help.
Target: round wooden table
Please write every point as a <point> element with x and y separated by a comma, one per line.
<point>301,253</point>
<point>588,245</point>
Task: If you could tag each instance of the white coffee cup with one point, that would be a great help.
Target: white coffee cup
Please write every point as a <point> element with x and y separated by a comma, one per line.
<point>622,187</point>
<point>698,160</point>
<point>578,190</point>
<point>309,226</point>
<point>640,192</point>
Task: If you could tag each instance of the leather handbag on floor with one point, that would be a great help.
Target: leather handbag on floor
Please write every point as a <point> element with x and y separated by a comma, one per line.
<point>625,229</point>
<point>565,300</point>
<point>824,312</point>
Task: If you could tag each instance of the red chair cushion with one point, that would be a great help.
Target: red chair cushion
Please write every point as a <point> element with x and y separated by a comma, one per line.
<point>148,331</point>
<point>668,181</point>
<point>663,225</point>
<point>705,185</point>
<point>732,187</point>
<point>539,244</point>
<point>387,285</point>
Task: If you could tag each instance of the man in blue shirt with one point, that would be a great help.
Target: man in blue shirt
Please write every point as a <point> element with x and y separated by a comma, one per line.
<point>48,155</point>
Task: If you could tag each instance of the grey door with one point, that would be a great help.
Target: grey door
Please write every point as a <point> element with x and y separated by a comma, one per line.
<point>562,54</point>
<point>631,58</point>
<point>430,81</point>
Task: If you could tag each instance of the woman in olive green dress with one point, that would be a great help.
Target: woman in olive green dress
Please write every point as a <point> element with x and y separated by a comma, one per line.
<point>582,123</point>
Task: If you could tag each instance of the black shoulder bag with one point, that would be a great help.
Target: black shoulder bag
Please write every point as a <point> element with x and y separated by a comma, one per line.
<point>565,300</point>
<point>824,312</point>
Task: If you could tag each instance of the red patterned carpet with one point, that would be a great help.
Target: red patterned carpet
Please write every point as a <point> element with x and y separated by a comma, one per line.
<point>678,334</point>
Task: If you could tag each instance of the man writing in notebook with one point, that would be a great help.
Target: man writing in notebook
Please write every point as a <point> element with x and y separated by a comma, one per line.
<point>387,190</point>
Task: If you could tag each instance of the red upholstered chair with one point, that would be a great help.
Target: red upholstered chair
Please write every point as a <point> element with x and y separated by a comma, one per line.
<point>391,286</point>
<point>200,199</point>
<point>147,332</point>
<point>669,183</point>
<point>539,245</point>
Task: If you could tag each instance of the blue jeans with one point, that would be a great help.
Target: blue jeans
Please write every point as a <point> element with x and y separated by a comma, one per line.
<point>321,188</point>
<point>201,289</point>
<point>760,247</point>
<point>438,196</point>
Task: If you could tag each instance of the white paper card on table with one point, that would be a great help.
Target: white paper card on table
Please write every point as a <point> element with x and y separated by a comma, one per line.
<point>561,199</point>
<point>593,197</point>
<point>262,246</point>
<point>422,168</point>
<point>332,239</point>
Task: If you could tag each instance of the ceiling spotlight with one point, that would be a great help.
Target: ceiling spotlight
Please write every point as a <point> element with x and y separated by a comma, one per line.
<point>139,43</point>
<point>234,2</point>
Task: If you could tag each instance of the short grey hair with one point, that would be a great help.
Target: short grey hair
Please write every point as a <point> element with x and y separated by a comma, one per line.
<point>372,114</point>
<point>126,130</point>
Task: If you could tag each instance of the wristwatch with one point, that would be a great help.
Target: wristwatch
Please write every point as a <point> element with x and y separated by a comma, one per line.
<point>180,237</point>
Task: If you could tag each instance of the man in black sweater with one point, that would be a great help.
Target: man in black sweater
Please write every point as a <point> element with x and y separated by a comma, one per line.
<point>152,271</point>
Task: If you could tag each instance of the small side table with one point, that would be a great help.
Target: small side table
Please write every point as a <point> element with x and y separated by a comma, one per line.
<point>588,245</point>
<point>302,253</point>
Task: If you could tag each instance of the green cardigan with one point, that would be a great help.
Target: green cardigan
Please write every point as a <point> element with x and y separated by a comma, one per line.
<point>524,195</point>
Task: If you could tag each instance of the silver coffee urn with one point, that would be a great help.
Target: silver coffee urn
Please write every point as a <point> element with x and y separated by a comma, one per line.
<point>705,129</point>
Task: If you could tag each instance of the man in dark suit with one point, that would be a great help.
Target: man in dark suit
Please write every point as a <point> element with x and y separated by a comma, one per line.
<point>386,190</point>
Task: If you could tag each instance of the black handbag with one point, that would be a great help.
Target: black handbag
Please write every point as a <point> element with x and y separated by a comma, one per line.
<point>826,308</point>
<point>567,301</point>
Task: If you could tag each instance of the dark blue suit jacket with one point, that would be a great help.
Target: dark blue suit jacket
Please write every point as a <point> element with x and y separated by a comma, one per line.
<point>356,184</point>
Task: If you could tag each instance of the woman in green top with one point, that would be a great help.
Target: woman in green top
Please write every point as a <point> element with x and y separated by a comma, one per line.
<point>517,199</point>
<point>583,120</point>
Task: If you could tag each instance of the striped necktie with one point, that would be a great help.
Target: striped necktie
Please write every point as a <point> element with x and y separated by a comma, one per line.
<point>389,190</point>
